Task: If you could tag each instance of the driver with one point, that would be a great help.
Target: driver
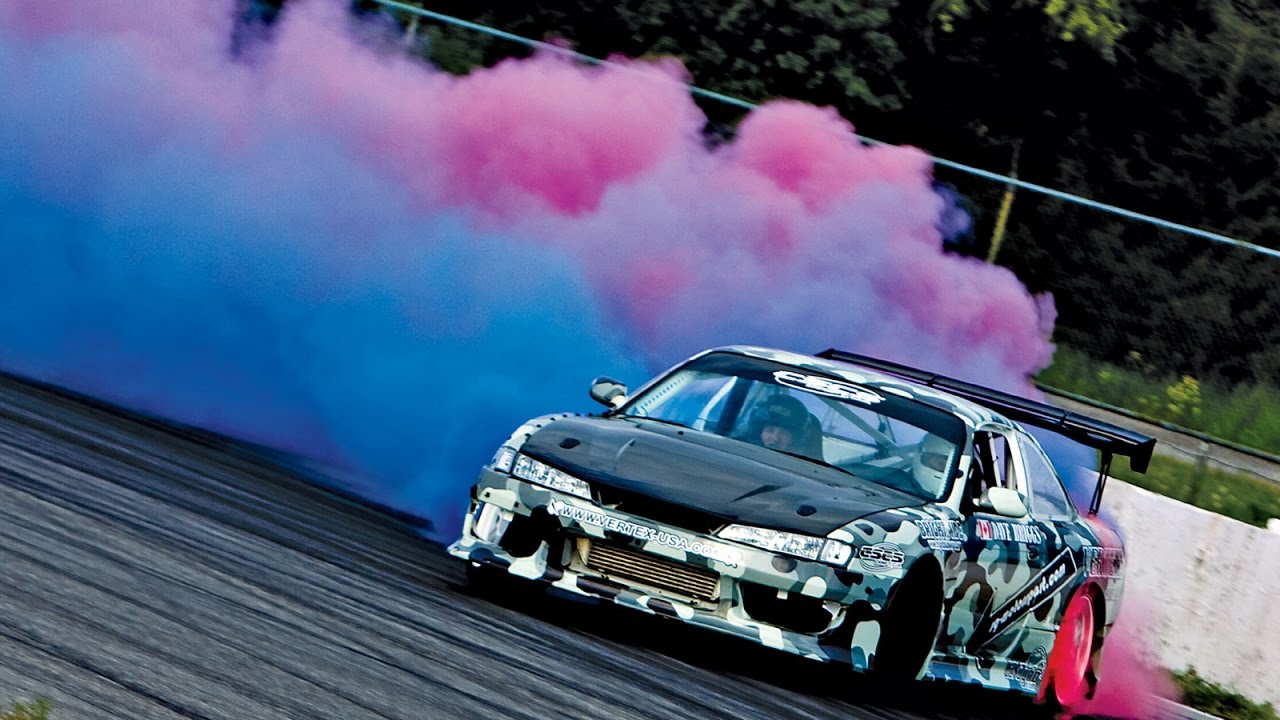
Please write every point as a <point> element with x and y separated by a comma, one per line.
<point>783,421</point>
<point>929,467</point>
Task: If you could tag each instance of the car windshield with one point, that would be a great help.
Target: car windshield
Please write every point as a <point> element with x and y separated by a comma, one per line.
<point>877,434</point>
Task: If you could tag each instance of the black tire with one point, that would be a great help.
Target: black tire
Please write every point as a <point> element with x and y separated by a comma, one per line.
<point>495,583</point>
<point>487,580</point>
<point>908,627</point>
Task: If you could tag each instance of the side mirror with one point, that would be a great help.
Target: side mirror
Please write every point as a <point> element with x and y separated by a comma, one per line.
<point>1005,502</point>
<point>608,392</point>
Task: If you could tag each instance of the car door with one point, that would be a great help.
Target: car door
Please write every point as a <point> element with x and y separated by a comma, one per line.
<point>1003,557</point>
<point>1053,509</point>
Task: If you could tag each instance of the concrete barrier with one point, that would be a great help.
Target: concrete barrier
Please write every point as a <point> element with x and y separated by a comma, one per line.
<point>1214,584</point>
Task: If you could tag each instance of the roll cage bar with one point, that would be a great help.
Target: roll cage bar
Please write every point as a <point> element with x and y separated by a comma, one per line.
<point>1109,439</point>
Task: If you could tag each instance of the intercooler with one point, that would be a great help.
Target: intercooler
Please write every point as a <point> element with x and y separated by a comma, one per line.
<point>621,563</point>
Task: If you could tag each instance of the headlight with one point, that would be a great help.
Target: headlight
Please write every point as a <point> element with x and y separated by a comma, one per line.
<point>805,546</point>
<point>526,468</point>
<point>503,459</point>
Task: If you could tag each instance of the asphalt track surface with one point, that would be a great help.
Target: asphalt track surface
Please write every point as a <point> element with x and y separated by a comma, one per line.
<point>148,571</point>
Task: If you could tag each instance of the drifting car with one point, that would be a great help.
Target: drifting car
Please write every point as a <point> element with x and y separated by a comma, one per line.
<point>836,506</point>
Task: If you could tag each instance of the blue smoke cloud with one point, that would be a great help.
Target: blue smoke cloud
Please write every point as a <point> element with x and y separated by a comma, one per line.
<point>285,295</point>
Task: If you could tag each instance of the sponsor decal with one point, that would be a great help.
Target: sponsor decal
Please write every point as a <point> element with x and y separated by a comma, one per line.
<point>829,387</point>
<point>1039,589</point>
<point>1103,562</point>
<point>1030,672</point>
<point>941,534</point>
<point>881,556</point>
<point>1009,532</point>
<point>647,533</point>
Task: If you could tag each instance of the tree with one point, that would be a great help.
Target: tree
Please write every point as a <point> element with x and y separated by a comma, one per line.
<point>830,52</point>
<point>1187,129</point>
<point>1098,22</point>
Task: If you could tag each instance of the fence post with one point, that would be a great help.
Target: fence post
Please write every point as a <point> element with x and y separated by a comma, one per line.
<point>1198,477</point>
<point>1006,205</point>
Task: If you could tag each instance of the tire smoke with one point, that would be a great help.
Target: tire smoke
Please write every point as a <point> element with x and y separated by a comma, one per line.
<point>325,246</point>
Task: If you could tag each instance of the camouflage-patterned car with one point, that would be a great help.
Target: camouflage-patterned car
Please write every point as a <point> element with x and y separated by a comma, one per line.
<point>834,506</point>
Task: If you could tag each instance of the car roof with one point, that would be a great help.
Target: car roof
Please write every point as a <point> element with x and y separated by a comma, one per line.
<point>972,413</point>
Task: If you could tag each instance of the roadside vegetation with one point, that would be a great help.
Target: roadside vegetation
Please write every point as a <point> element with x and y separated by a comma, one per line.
<point>1235,495</point>
<point>37,709</point>
<point>1215,699</point>
<point>1247,414</point>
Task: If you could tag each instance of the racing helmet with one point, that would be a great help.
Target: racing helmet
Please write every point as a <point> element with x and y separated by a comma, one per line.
<point>929,467</point>
<point>785,412</point>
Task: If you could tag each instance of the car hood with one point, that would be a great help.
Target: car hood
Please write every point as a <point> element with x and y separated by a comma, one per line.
<point>732,480</point>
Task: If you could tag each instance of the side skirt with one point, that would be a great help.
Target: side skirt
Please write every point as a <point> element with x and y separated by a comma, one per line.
<point>991,673</point>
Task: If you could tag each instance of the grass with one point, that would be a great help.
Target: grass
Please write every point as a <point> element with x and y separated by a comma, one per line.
<point>1235,495</point>
<point>38,709</point>
<point>1218,700</point>
<point>1247,414</point>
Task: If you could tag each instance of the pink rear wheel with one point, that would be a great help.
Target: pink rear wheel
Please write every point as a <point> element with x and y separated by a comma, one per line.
<point>1072,653</point>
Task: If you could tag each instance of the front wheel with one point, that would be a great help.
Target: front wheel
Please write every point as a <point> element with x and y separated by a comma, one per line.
<point>909,627</point>
<point>1068,673</point>
<point>495,583</point>
<point>487,580</point>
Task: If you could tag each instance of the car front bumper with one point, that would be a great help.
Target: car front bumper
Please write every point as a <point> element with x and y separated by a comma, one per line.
<point>797,606</point>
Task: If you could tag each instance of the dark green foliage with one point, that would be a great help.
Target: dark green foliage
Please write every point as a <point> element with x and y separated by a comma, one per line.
<point>1098,22</point>
<point>1216,700</point>
<point>451,49</point>
<point>1186,127</point>
<point>831,52</point>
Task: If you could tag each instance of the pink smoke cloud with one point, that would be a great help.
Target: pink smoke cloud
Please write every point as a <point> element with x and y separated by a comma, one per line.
<point>1130,681</point>
<point>560,132</point>
<point>811,153</point>
<point>794,234</point>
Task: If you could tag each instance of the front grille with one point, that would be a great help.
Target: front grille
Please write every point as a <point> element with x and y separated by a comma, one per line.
<point>623,563</point>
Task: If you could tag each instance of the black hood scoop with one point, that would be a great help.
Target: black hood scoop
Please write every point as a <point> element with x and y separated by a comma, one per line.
<point>698,480</point>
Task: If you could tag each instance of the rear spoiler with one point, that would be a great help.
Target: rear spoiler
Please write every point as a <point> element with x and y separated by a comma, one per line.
<point>1109,439</point>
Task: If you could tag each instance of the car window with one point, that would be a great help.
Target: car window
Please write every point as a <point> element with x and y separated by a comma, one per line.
<point>1048,499</point>
<point>993,464</point>
<point>885,437</point>
<point>858,431</point>
<point>996,468</point>
<point>697,396</point>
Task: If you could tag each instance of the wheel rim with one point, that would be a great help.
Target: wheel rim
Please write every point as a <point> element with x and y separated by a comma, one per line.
<point>1072,656</point>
